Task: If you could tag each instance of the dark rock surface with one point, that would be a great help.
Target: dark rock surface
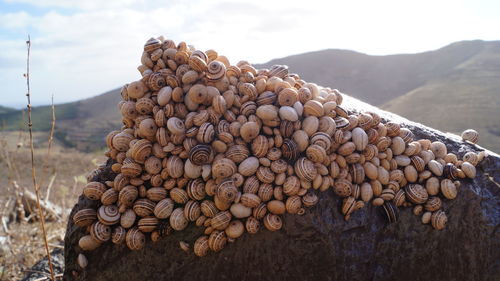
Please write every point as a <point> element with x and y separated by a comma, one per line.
<point>320,245</point>
<point>41,271</point>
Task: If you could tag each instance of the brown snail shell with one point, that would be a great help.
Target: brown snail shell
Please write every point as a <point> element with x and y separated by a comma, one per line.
<point>135,239</point>
<point>273,222</point>
<point>433,204</point>
<point>290,150</point>
<point>217,240</point>
<point>468,169</point>
<point>87,243</point>
<point>223,168</point>
<point>192,210</point>
<point>208,208</point>
<point>448,189</point>
<point>221,220</point>
<point>179,195</point>
<point>416,193</point>
<point>156,194</point>
<point>439,220</point>
<point>240,211</point>
<point>227,191</point>
<point>118,235</point>
<point>309,199</point>
<point>293,204</point>
<point>144,207</point>
<point>450,171</point>
<point>127,219</point>
<point>177,220</point>
<point>305,169</point>
<point>390,212</point>
<point>127,195</point>
<point>252,225</point>
<point>250,200</point>
<point>196,189</point>
<point>249,131</point>
<point>343,188</point>
<point>94,190</point>
<point>200,154</point>
<point>108,214</point>
<point>148,224</point>
<point>470,135</point>
<point>276,207</point>
<point>100,232</point>
<point>85,217</point>
<point>235,229</point>
<point>200,247</point>
<point>164,208</point>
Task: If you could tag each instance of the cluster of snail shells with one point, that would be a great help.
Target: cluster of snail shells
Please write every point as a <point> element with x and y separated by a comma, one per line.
<point>232,149</point>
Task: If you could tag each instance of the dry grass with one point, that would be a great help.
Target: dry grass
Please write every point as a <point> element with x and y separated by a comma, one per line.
<point>67,168</point>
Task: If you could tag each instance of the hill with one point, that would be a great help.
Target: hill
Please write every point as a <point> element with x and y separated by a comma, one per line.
<point>82,124</point>
<point>452,89</point>
<point>4,109</point>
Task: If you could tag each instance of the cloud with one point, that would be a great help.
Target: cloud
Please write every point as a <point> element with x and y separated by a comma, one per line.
<point>84,48</point>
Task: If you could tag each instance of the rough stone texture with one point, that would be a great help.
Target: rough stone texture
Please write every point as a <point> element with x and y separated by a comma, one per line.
<point>320,245</point>
<point>41,271</point>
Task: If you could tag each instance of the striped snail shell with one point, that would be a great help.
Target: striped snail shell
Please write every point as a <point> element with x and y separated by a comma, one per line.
<point>227,191</point>
<point>85,217</point>
<point>293,204</point>
<point>144,207</point>
<point>223,168</point>
<point>416,193</point>
<point>200,154</point>
<point>399,198</point>
<point>196,189</point>
<point>221,220</point>
<point>249,131</point>
<point>179,195</point>
<point>118,235</point>
<point>322,139</point>
<point>94,190</point>
<point>127,195</point>
<point>156,194</point>
<point>217,240</point>
<point>310,199</point>
<point>237,153</point>
<point>177,219</point>
<point>109,197</point>
<point>305,169</point>
<point>273,222</point>
<point>175,167</point>
<point>260,211</point>
<point>100,232</point>
<point>206,133</point>
<point>135,239</point>
<point>252,225</point>
<point>147,224</point>
<point>216,70</point>
<point>439,220</point>
<point>108,214</point>
<point>192,210</point>
<point>131,169</point>
<point>450,171</point>
<point>280,71</point>
<point>470,135</point>
<point>208,208</point>
<point>121,141</point>
<point>250,200</point>
<point>265,174</point>
<point>152,44</point>
<point>164,208</point>
<point>448,189</point>
<point>390,212</point>
<point>200,247</point>
<point>433,204</point>
<point>343,187</point>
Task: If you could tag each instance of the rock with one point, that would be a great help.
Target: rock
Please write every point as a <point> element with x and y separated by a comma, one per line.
<point>320,245</point>
<point>41,270</point>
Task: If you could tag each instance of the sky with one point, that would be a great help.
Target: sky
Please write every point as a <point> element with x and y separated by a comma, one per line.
<point>84,48</point>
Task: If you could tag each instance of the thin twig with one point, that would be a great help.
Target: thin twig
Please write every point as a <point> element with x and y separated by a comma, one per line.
<point>47,159</point>
<point>50,186</point>
<point>33,172</point>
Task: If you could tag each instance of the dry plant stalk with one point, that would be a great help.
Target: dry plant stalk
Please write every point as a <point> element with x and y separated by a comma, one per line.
<point>33,172</point>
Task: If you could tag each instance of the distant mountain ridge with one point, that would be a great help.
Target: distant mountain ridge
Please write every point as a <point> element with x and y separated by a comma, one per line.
<point>453,88</point>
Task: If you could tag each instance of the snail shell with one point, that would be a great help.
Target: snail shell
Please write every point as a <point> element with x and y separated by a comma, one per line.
<point>208,208</point>
<point>179,195</point>
<point>250,200</point>
<point>316,153</point>
<point>127,219</point>
<point>131,169</point>
<point>223,168</point>
<point>309,199</point>
<point>200,154</point>
<point>217,240</point>
<point>235,229</point>
<point>416,193</point>
<point>469,169</point>
<point>100,232</point>
<point>200,247</point>
<point>305,169</point>
<point>470,135</point>
<point>240,211</point>
<point>85,217</point>
<point>433,204</point>
<point>87,243</point>
<point>127,195</point>
<point>291,186</point>
<point>175,167</point>
<point>135,239</point>
<point>249,131</point>
<point>471,157</point>
<point>343,188</point>
<point>276,207</point>
<point>313,108</point>
<point>177,219</point>
<point>273,222</point>
<point>448,189</point>
<point>439,220</point>
<point>227,191</point>
<point>390,212</point>
<point>265,174</point>
<point>192,210</point>
<point>248,166</point>
<point>450,171</point>
<point>221,220</point>
<point>290,150</point>
<point>164,208</point>
<point>156,194</point>
<point>94,190</point>
<point>121,141</point>
<point>148,224</point>
<point>439,149</point>
<point>108,214</point>
<point>252,225</point>
<point>109,197</point>
<point>196,189</point>
<point>144,207</point>
<point>293,204</point>
<point>360,138</point>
